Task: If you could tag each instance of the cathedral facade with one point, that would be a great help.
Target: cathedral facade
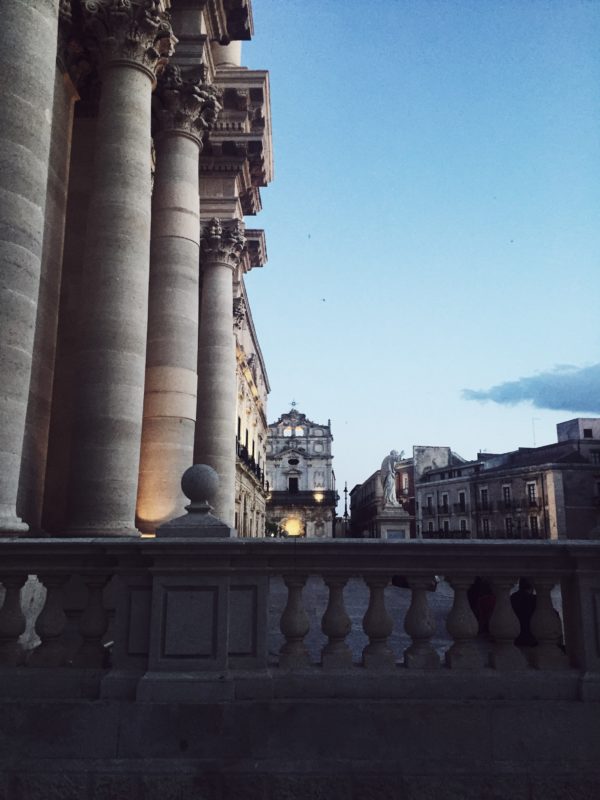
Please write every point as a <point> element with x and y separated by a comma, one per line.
<point>134,143</point>
<point>302,495</point>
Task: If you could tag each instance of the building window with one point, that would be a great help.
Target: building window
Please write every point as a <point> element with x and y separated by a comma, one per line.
<point>531,494</point>
<point>430,527</point>
<point>293,484</point>
<point>446,526</point>
<point>299,430</point>
<point>595,456</point>
<point>405,481</point>
<point>506,495</point>
<point>588,433</point>
<point>533,525</point>
<point>445,501</point>
<point>429,502</point>
<point>509,526</point>
<point>287,431</point>
<point>461,501</point>
<point>485,524</point>
<point>463,525</point>
<point>483,496</point>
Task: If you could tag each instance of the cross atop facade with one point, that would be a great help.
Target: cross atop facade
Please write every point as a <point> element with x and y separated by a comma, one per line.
<point>294,404</point>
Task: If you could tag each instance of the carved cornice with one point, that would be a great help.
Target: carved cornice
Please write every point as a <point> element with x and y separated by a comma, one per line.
<point>222,242</point>
<point>255,253</point>
<point>242,134</point>
<point>134,32</point>
<point>184,104</point>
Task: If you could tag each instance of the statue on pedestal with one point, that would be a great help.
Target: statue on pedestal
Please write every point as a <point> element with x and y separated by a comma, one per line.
<point>388,477</point>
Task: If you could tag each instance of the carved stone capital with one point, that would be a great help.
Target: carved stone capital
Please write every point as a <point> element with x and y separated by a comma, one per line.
<point>186,104</point>
<point>223,242</point>
<point>133,32</point>
<point>239,312</point>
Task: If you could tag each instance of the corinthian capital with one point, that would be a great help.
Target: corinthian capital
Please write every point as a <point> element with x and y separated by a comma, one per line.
<point>130,31</point>
<point>223,242</point>
<point>186,104</point>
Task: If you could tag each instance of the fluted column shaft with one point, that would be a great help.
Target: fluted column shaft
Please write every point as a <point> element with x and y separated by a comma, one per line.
<point>29,29</point>
<point>37,424</point>
<point>172,350</point>
<point>222,246</point>
<point>112,355</point>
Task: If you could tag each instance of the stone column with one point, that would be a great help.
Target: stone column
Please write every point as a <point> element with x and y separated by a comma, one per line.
<point>185,109</point>
<point>37,423</point>
<point>109,398</point>
<point>27,61</point>
<point>222,245</point>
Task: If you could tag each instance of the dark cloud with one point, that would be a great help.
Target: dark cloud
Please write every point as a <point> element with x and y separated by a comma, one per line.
<point>565,388</point>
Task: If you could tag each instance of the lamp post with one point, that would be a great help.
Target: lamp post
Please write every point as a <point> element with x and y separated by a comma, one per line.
<point>346,509</point>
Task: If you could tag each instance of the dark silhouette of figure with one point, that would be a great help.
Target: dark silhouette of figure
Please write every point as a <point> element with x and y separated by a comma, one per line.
<point>523,602</point>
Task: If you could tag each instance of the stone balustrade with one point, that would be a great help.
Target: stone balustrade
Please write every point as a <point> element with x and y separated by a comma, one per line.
<point>188,619</point>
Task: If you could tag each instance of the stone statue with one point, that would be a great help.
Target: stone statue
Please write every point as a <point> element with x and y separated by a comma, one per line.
<point>388,478</point>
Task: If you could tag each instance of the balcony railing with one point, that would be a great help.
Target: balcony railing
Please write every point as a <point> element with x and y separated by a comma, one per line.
<point>316,497</point>
<point>249,462</point>
<point>179,608</point>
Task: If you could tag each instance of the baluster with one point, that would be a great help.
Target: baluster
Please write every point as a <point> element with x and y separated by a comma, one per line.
<point>504,629</point>
<point>336,625</point>
<point>92,624</point>
<point>463,627</point>
<point>378,626</point>
<point>50,625</point>
<point>12,621</point>
<point>294,625</point>
<point>547,629</point>
<point>420,626</point>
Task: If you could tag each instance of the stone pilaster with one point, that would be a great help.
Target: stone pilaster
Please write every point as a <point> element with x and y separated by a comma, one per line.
<point>222,245</point>
<point>29,31</point>
<point>132,41</point>
<point>185,109</point>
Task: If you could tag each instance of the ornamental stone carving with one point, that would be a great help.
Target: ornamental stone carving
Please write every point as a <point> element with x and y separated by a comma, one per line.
<point>388,478</point>
<point>186,104</point>
<point>223,242</point>
<point>239,312</point>
<point>130,31</point>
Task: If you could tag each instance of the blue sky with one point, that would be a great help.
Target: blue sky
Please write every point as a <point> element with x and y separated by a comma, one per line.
<point>433,223</point>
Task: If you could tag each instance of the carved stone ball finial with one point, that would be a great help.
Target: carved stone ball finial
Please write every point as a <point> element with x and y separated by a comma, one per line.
<point>199,484</point>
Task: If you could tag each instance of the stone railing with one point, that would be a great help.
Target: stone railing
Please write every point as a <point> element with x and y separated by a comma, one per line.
<point>188,619</point>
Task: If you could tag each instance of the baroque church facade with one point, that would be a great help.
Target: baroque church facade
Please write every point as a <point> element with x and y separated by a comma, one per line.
<point>302,494</point>
<point>134,144</point>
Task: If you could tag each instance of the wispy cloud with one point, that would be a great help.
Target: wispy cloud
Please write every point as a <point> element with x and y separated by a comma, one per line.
<point>564,388</point>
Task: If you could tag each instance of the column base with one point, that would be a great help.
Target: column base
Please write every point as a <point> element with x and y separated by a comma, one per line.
<point>13,526</point>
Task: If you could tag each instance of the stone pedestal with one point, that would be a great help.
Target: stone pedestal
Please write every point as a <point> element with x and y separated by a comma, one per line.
<point>393,522</point>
